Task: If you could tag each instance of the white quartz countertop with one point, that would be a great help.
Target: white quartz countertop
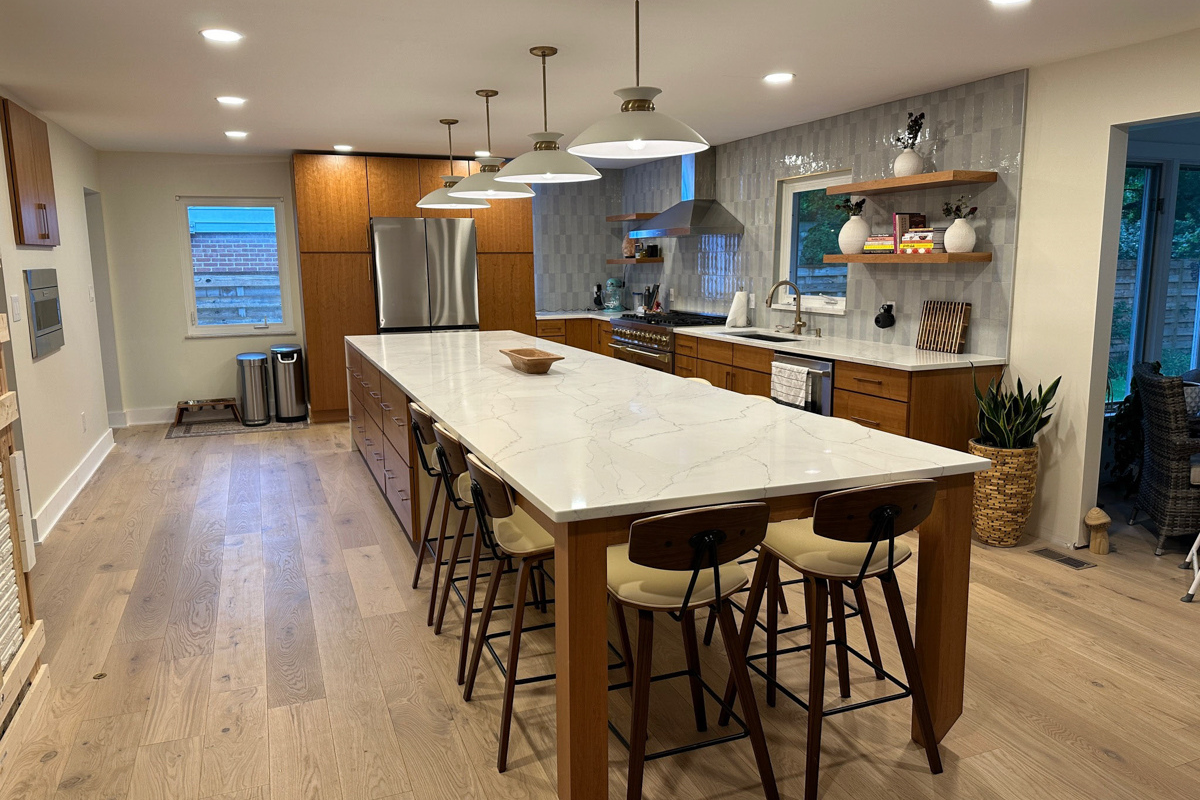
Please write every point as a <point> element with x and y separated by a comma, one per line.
<point>597,314</point>
<point>597,437</point>
<point>878,354</point>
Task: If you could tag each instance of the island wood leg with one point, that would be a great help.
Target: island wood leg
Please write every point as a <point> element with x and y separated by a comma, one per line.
<point>943,584</point>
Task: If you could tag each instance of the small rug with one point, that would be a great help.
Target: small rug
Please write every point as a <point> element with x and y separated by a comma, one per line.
<point>227,427</point>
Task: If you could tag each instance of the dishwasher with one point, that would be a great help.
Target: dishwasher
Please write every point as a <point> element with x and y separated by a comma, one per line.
<point>820,389</point>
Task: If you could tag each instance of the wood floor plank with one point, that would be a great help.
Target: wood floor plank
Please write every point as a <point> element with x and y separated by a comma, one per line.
<point>33,771</point>
<point>235,742</point>
<point>244,475</point>
<point>374,587</point>
<point>240,652</point>
<point>322,548</point>
<point>192,622</point>
<point>303,765</point>
<point>305,484</point>
<point>437,761</point>
<point>149,605</point>
<point>130,669</point>
<point>293,664</point>
<point>178,700</point>
<point>167,770</point>
<point>100,765</point>
<point>92,627</point>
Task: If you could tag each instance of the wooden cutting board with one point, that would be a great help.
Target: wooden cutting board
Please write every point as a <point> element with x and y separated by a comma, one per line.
<point>943,326</point>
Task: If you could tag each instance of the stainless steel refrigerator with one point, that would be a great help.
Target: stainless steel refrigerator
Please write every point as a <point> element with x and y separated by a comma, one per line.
<point>425,274</point>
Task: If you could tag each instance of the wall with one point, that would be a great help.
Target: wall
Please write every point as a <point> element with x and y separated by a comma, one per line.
<point>58,388</point>
<point>974,126</point>
<point>572,239</point>
<point>1075,146</point>
<point>146,244</point>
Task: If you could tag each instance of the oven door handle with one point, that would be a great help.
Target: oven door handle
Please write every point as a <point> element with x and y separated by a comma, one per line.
<point>660,356</point>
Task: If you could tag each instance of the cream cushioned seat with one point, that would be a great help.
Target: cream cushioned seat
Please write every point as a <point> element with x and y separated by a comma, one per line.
<point>462,487</point>
<point>430,456</point>
<point>521,535</point>
<point>794,542</point>
<point>663,589</point>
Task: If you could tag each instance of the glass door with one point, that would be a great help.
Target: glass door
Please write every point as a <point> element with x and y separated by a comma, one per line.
<point>1138,216</point>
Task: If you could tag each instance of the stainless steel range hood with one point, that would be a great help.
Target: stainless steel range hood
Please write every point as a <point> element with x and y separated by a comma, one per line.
<point>697,214</point>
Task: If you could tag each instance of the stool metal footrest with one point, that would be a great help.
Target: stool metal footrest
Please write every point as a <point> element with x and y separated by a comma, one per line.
<point>829,712</point>
<point>685,748</point>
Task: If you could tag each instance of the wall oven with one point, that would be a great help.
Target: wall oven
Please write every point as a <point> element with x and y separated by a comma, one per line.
<point>45,314</point>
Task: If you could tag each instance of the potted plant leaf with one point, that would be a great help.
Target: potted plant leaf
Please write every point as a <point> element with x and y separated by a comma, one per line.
<point>852,238</point>
<point>1009,421</point>
<point>909,162</point>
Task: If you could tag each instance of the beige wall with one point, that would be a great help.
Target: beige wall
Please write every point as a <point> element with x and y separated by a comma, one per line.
<point>55,390</point>
<point>1075,143</point>
<point>159,365</point>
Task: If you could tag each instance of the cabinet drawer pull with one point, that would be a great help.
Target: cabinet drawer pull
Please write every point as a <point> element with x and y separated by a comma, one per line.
<point>353,418</point>
<point>868,380</point>
<point>865,421</point>
<point>379,456</point>
<point>387,473</point>
<point>386,406</point>
<point>361,428</point>
<point>374,394</point>
<point>367,440</point>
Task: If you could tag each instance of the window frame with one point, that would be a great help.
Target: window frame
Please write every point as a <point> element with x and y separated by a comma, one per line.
<point>786,189</point>
<point>196,331</point>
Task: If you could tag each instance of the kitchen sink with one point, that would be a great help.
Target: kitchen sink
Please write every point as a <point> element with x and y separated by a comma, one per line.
<point>763,337</point>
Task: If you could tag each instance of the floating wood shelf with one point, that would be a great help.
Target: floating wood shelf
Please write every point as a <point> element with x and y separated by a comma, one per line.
<point>906,258</point>
<point>635,261</point>
<point>927,180</point>
<point>632,217</point>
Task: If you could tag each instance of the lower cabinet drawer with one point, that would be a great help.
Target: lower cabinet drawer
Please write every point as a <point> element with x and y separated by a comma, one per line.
<point>547,328</point>
<point>397,487</point>
<point>685,366</point>
<point>354,379</point>
<point>561,338</point>
<point>866,379</point>
<point>372,450</point>
<point>358,424</point>
<point>395,417</point>
<point>718,352</point>
<point>685,345</point>
<point>871,412</point>
<point>748,381</point>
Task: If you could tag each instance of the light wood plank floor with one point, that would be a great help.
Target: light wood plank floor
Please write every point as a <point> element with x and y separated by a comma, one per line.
<point>231,617</point>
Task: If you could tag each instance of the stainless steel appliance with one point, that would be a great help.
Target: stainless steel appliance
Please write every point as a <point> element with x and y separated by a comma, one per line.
<point>820,376</point>
<point>287,369</point>
<point>649,339</point>
<point>425,274</point>
<point>45,314</point>
<point>253,396</point>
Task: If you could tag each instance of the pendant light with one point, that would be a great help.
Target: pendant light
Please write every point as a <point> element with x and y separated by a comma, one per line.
<point>440,198</point>
<point>637,131</point>
<point>546,163</point>
<point>483,184</point>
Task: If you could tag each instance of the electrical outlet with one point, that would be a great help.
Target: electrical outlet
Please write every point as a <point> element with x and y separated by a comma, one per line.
<point>14,307</point>
<point>83,420</point>
<point>891,303</point>
<point>752,300</point>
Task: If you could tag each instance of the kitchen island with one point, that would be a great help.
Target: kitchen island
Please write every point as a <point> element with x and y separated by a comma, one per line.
<point>597,443</point>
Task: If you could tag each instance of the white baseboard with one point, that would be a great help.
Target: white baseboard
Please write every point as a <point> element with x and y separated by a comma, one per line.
<point>45,519</point>
<point>149,416</point>
<point>116,419</point>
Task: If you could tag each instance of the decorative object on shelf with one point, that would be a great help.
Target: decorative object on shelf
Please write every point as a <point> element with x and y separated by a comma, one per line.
<point>1008,423</point>
<point>440,197</point>
<point>853,235</point>
<point>885,318</point>
<point>531,361</point>
<point>483,184</point>
<point>546,163</point>
<point>637,130</point>
<point>943,326</point>
<point>628,248</point>
<point>614,288</point>
<point>909,162</point>
<point>960,236</point>
<point>653,251</point>
<point>1097,524</point>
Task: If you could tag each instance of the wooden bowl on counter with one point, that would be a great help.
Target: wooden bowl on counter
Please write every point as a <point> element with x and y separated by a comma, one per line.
<point>532,361</point>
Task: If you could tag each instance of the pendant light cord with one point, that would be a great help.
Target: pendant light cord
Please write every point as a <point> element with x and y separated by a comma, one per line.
<point>545,114</point>
<point>637,42</point>
<point>487,110</point>
<point>450,141</point>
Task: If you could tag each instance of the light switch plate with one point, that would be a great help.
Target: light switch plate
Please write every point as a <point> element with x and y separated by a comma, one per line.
<point>14,307</point>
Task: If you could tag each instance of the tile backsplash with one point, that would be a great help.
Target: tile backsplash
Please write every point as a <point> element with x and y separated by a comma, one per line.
<point>979,125</point>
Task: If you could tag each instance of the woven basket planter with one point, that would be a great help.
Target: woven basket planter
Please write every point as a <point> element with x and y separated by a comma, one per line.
<point>1004,494</point>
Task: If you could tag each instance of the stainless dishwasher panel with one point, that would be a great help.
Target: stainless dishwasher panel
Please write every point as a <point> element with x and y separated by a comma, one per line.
<point>821,375</point>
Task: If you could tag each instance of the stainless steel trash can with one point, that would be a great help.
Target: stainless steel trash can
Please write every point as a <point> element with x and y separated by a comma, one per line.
<point>287,368</point>
<point>253,394</point>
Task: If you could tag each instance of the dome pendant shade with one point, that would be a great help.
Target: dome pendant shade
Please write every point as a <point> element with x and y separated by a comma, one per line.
<point>440,198</point>
<point>637,131</point>
<point>547,164</point>
<point>483,184</point>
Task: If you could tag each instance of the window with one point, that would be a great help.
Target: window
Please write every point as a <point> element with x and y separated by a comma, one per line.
<point>808,228</point>
<point>234,269</point>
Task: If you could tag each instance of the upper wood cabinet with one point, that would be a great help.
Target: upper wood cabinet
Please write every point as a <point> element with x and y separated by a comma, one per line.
<point>393,186</point>
<point>506,292</point>
<point>506,227</point>
<point>332,212</point>
<point>432,170</point>
<point>31,180</point>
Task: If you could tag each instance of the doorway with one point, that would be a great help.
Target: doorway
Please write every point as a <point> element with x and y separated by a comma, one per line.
<point>104,308</point>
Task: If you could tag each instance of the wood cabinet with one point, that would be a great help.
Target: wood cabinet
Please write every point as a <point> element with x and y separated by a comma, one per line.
<point>736,367</point>
<point>30,177</point>
<point>554,330</point>
<point>602,331</point>
<point>506,292</point>
<point>579,333</point>
<point>431,172</point>
<point>870,411</point>
<point>339,301</point>
<point>393,186</point>
<point>506,227</point>
<point>332,209</point>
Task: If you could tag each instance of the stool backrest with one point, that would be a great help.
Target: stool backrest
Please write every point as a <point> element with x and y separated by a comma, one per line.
<point>422,427</point>
<point>874,514</point>
<point>449,448</point>
<point>491,498</point>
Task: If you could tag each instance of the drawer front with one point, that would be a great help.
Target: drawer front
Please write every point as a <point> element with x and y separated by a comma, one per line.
<point>878,381</point>
<point>876,413</point>
<point>560,338</point>
<point>685,345</point>
<point>551,327</point>
<point>748,381</point>
<point>396,424</point>
<point>685,366</point>
<point>720,352</point>
<point>756,358</point>
<point>398,485</point>
<point>718,375</point>
<point>358,422</point>
<point>372,450</point>
<point>372,393</point>
<point>353,359</point>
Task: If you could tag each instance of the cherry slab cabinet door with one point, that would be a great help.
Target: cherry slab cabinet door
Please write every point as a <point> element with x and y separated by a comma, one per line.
<point>31,179</point>
<point>506,292</point>
<point>339,301</point>
<point>332,209</point>
<point>393,186</point>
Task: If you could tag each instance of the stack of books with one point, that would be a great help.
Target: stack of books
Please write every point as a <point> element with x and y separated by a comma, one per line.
<point>880,243</point>
<point>923,240</point>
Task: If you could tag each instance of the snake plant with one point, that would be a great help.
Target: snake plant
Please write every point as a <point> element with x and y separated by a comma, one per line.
<point>1011,419</point>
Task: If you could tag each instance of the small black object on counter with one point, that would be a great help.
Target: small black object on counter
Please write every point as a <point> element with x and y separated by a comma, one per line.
<point>885,318</point>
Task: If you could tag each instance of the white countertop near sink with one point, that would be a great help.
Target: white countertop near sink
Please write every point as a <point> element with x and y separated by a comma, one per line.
<point>597,314</point>
<point>876,354</point>
<point>597,437</point>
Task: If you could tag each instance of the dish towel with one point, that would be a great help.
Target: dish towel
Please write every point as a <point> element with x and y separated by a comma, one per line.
<point>738,312</point>
<point>791,384</point>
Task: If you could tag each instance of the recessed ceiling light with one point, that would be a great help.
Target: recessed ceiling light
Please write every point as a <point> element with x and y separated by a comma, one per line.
<point>230,100</point>
<point>779,77</point>
<point>236,134</point>
<point>343,148</point>
<point>1009,2</point>
<point>221,35</point>
<point>482,154</point>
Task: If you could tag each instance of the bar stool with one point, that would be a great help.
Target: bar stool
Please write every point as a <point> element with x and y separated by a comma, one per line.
<point>851,538</point>
<point>705,381</point>
<point>452,464</point>
<point>422,428</point>
<point>510,533</point>
<point>678,563</point>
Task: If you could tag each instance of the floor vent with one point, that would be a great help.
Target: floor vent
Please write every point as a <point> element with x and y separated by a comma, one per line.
<point>1069,561</point>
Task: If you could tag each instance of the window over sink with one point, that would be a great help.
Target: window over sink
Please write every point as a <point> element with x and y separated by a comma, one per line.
<point>807,226</point>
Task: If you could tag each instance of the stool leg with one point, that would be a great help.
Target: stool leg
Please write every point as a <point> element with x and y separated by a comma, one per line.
<point>710,627</point>
<point>485,617</point>
<point>837,602</point>
<point>912,670</point>
<point>691,652</point>
<point>541,582</point>
<point>468,610</point>
<point>641,704</point>
<point>817,600</point>
<point>772,633</point>
<point>762,569</point>
<point>626,648</point>
<point>451,569</point>
<point>437,559</point>
<point>514,655</point>
<point>864,614</point>
<point>424,543</point>
<point>741,676</point>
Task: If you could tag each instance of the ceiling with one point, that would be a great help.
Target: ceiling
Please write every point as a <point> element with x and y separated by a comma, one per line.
<point>377,74</point>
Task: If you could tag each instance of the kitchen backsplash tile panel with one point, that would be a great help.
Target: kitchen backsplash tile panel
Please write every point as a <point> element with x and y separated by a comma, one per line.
<point>979,125</point>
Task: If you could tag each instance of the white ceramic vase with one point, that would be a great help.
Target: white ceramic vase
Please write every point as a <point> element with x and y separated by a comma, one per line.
<point>960,237</point>
<point>852,238</point>
<point>907,163</point>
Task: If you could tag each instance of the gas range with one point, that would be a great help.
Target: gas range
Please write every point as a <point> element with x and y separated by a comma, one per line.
<point>649,339</point>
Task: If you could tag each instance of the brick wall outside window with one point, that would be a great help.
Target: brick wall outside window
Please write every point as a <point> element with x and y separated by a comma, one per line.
<point>236,278</point>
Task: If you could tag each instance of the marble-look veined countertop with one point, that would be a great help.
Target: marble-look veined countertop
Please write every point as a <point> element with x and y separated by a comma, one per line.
<point>597,437</point>
<point>595,314</point>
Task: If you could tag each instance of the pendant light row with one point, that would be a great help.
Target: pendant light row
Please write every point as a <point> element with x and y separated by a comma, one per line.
<point>637,131</point>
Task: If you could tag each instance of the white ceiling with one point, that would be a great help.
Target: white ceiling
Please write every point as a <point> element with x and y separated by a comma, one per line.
<point>377,74</point>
